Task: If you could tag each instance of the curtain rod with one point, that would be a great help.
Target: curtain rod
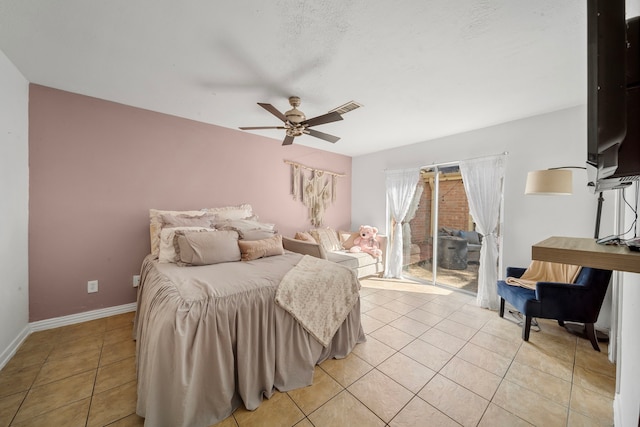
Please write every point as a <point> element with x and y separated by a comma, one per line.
<point>313,169</point>
<point>462,160</point>
<point>448,163</point>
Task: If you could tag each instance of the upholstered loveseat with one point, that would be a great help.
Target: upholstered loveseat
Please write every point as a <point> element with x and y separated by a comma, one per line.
<point>473,239</point>
<point>334,246</point>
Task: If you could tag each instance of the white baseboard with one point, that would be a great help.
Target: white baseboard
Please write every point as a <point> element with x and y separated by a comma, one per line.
<point>72,319</point>
<point>56,322</point>
<point>8,353</point>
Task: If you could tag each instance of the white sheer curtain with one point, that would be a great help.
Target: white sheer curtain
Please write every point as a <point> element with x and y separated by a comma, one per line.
<point>401,185</point>
<point>483,180</point>
<point>406,226</point>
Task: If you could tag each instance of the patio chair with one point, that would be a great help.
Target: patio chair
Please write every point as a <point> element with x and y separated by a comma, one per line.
<point>565,302</point>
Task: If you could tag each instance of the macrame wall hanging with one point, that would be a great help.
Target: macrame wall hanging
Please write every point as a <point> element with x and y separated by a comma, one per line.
<point>316,189</point>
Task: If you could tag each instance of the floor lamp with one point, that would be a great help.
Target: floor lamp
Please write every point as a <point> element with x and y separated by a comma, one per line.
<point>558,182</point>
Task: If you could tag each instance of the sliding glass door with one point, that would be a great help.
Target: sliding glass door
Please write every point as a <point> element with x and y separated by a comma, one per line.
<point>441,245</point>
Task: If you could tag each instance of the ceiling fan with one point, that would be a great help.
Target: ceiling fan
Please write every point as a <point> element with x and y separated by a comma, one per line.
<point>296,124</point>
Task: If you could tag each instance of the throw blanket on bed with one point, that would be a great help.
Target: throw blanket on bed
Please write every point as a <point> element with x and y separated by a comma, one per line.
<point>319,294</point>
<point>542,271</point>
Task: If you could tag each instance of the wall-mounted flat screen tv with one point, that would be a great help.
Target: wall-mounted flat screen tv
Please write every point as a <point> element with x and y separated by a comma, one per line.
<point>613,96</point>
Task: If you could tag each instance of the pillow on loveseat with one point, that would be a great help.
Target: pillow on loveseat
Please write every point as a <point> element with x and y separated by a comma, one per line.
<point>347,239</point>
<point>327,238</point>
<point>470,236</point>
<point>305,237</point>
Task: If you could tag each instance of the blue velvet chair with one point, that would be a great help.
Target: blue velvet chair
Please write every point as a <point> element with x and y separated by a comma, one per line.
<point>564,302</point>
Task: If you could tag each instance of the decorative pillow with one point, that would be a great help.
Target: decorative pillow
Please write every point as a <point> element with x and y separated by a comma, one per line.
<point>471,237</point>
<point>232,212</point>
<point>328,238</point>
<point>256,234</point>
<point>166,248</point>
<point>197,248</point>
<point>244,224</point>
<point>305,237</point>
<point>205,220</point>
<point>155,225</point>
<point>347,238</point>
<point>248,228</point>
<point>254,249</point>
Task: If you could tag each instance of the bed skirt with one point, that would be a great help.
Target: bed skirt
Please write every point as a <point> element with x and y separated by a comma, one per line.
<point>201,355</point>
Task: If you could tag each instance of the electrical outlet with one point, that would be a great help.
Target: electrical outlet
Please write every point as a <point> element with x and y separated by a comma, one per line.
<point>136,280</point>
<point>92,286</point>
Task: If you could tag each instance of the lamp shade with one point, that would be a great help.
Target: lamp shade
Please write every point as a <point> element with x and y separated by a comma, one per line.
<point>557,182</point>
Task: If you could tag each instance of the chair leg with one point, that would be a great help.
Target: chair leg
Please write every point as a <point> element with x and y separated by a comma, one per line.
<point>591,333</point>
<point>501,307</point>
<point>526,328</point>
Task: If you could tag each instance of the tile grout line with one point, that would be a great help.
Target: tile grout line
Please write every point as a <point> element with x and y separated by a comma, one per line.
<point>503,378</point>
<point>396,351</point>
<point>521,345</point>
<point>95,381</point>
<point>511,360</point>
<point>30,386</point>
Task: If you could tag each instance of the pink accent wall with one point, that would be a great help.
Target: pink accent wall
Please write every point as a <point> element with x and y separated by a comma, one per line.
<point>97,167</point>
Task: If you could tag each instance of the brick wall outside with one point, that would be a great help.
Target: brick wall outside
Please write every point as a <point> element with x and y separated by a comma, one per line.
<point>454,206</point>
<point>454,213</point>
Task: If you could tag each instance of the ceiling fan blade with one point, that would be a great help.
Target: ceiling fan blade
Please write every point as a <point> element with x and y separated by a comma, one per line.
<point>325,118</point>
<point>288,140</point>
<point>322,135</point>
<point>261,127</point>
<point>273,110</point>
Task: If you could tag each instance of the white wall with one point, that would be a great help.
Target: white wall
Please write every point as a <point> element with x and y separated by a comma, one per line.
<point>626,408</point>
<point>14,208</point>
<point>627,401</point>
<point>549,140</point>
<point>556,139</point>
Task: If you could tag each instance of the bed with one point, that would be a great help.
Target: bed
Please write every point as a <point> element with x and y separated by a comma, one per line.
<point>213,337</point>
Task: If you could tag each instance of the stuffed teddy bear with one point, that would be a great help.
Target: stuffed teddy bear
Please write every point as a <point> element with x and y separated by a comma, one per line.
<point>367,242</point>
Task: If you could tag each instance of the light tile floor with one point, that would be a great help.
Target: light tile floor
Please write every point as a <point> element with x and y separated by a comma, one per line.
<point>432,358</point>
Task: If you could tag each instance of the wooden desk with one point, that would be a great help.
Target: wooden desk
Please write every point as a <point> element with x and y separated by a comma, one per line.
<point>587,253</point>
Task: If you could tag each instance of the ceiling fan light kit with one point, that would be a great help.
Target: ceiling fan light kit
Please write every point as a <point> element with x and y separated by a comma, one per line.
<point>296,123</point>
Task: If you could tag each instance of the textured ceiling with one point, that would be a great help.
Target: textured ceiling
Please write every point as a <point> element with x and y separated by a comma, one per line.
<point>422,69</point>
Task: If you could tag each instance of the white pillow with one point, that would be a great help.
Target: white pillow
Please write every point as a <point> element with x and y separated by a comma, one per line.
<point>167,251</point>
